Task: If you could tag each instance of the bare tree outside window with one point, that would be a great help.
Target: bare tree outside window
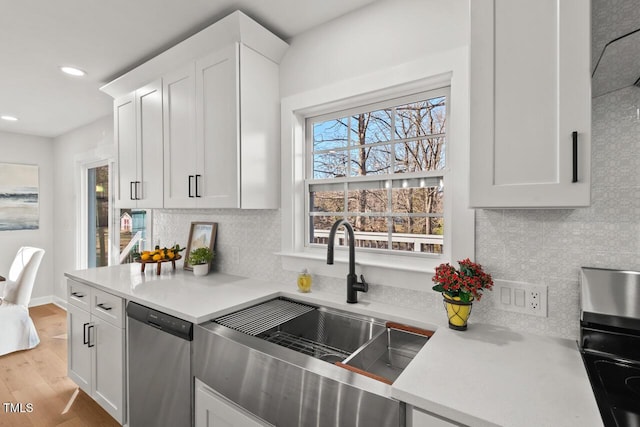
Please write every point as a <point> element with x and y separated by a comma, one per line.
<point>383,170</point>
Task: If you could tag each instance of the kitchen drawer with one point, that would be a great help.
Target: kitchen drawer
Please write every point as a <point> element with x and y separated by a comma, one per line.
<point>78,294</point>
<point>107,307</point>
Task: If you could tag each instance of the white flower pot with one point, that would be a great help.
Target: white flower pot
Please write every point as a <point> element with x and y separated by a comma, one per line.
<point>201,269</point>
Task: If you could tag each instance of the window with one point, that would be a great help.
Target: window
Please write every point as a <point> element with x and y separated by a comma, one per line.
<point>383,168</point>
<point>381,90</point>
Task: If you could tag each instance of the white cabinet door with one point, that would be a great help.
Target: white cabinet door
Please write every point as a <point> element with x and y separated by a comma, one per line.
<point>108,352</point>
<point>78,352</point>
<point>124,113</point>
<point>217,129</point>
<point>138,137</point>
<point>178,90</point>
<point>530,91</point>
<point>149,185</point>
<point>213,410</point>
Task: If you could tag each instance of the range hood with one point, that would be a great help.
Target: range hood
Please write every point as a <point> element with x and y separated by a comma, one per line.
<point>618,64</point>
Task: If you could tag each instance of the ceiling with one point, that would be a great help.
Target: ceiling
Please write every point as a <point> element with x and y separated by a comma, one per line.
<point>619,66</point>
<point>107,39</point>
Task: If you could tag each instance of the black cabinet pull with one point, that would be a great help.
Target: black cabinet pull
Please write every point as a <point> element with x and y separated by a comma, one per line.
<point>190,178</point>
<point>136,187</point>
<point>574,136</point>
<point>197,179</point>
<point>89,336</point>
<point>84,334</point>
<point>131,184</point>
<point>104,307</point>
<point>77,294</point>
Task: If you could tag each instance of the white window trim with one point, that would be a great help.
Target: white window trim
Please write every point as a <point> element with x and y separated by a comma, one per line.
<point>83,163</point>
<point>448,68</point>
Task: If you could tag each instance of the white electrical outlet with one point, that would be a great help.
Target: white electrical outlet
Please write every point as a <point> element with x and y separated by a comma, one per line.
<point>521,297</point>
<point>534,300</point>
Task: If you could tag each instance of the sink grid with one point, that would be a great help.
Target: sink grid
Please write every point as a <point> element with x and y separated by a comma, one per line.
<point>308,347</point>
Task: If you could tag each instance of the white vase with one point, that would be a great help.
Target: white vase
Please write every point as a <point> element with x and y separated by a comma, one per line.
<point>201,269</point>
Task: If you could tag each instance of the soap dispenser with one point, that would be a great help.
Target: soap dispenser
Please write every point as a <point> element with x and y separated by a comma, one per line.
<point>304,281</point>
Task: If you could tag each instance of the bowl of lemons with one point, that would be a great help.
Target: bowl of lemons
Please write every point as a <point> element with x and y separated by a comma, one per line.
<point>158,256</point>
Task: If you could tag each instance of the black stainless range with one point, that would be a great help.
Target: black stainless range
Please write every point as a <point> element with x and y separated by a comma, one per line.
<point>610,342</point>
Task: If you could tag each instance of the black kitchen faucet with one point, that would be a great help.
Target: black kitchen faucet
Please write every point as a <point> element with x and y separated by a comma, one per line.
<point>353,286</point>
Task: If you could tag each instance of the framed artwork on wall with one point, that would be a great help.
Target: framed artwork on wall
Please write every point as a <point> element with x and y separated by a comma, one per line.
<point>19,197</point>
<point>201,235</point>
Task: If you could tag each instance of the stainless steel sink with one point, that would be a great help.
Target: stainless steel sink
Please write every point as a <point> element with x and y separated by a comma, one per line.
<point>320,332</point>
<point>291,364</point>
<point>324,334</point>
<point>388,354</point>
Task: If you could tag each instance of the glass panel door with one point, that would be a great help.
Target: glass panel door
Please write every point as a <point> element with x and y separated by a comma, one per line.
<point>98,216</point>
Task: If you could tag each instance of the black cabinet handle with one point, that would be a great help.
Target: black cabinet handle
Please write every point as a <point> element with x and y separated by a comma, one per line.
<point>84,334</point>
<point>574,136</point>
<point>104,307</point>
<point>137,186</point>
<point>89,336</point>
<point>131,184</point>
<point>77,294</point>
<point>197,179</point>
<point>190,178</point>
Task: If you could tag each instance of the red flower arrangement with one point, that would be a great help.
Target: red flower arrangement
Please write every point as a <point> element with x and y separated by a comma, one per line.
<point>468,283</point>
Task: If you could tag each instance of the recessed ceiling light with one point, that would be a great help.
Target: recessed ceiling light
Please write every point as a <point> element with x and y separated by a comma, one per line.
<point>9,118</point>
<point>72,71</point>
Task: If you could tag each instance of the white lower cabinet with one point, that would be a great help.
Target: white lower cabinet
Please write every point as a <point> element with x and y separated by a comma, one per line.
<point>96,346</point>
<point>213,409</point>
<point>419,418</point>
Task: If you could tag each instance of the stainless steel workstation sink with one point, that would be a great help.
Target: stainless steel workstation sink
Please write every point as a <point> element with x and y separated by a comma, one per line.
<point>292,363</point>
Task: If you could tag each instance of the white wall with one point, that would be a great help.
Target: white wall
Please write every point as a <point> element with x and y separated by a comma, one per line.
<point>91,142</point>
<point>377,37</point>
<point>33,150</point>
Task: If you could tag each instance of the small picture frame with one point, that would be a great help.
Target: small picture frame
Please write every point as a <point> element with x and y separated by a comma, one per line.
<point>201,234</point>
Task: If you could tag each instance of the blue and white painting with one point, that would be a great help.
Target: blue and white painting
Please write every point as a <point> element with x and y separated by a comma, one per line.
<point>19,207</point>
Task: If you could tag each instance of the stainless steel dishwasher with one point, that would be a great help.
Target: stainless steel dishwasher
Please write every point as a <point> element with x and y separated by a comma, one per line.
<point>159,369</point>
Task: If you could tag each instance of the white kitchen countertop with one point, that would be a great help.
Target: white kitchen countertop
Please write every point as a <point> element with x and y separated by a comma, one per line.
<point>485,376</point>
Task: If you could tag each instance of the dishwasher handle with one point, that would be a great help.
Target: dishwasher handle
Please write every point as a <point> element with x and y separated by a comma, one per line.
<point>162,321</point>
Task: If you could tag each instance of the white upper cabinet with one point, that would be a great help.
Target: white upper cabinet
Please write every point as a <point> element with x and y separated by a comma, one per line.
<point>217,120</point>
<point>530,103</point>
<point>138,137</point>
<point>221,131</point>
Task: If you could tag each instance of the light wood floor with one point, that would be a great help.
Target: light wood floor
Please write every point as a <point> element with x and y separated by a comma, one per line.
<point>39,376</point>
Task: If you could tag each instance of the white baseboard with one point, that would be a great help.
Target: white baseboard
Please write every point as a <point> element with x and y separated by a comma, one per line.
<point>49,299</point>
<point>62,303</point>
<point>41,301</point>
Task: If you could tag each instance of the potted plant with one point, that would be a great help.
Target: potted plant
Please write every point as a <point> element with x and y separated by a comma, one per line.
<point>200,259</point>
<point>460,287</point>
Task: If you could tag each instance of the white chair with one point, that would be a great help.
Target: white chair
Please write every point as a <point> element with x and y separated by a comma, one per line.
<point>18,330</point>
